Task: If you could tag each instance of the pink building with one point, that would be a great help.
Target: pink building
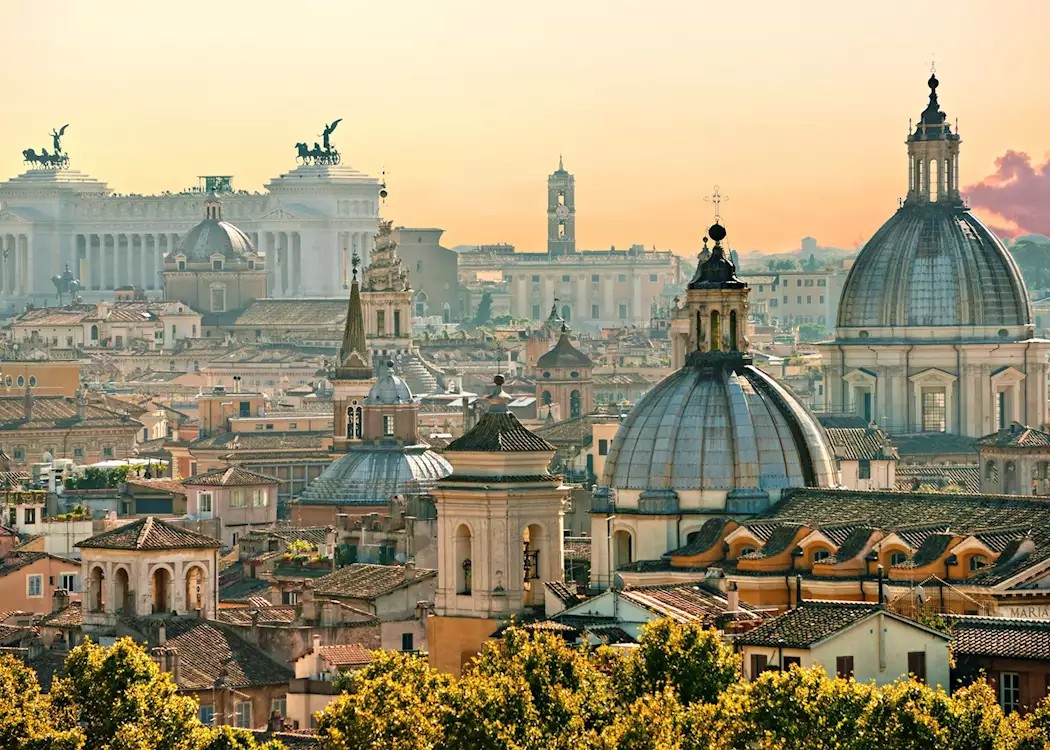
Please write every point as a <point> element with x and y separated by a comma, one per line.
<point>242,500</point>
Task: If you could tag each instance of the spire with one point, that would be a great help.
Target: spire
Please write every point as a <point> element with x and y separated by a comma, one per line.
<point>353,353</point>
<point>933,123</point>
<point>212,207</point>
<point>561,166</point>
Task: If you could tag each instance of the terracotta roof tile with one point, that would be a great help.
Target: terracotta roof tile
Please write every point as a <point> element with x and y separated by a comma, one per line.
<point>148,533</point>
<point>807,625</point>
<point>367,581</point>
<point>855,444</point>
<point>206,647</point>
<point>346,655</point>
<point>230,476</point>
<point>1017,436</point>
<point>1001,637</point>
<point>498,432</point>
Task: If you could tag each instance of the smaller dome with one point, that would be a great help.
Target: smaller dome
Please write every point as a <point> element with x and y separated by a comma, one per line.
<point>213,236</point>
<point>564,354</point>
<point>369,475</point>
<point>390,389</point>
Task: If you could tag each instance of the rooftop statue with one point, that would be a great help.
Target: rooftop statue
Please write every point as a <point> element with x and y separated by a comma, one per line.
<point>44,160</point>
<point>325,154</point>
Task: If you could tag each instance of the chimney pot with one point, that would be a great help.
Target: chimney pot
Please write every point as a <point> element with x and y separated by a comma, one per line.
<point>732,599</point>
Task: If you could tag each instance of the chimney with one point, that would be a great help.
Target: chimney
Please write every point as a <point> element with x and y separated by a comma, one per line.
<point>732,599</point>
<point>59,600</point>
<point>174,664</point>
<point>342,521</point>
<point>27,404</point>
<point>317,644</point>
<point>410,570</point>
<point>329,542</point>
<point>255,626</point>
<point>881,584</point>
<point>81,405</point>
<point>798,590</point>
<point>162,634</point>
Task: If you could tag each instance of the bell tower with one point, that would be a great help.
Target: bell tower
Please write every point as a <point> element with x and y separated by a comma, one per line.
<point>561,212</point>
<point>352,377</point>
<point>500,530</point>
<point>933,156</point>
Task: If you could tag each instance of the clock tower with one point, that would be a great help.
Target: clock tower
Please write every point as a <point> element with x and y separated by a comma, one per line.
<point>561,212</point>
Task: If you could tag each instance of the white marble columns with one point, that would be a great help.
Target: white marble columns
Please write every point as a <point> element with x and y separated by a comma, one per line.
<point>15,264</point>
<point>105,261</point>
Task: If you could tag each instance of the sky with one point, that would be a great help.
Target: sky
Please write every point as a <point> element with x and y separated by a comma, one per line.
<point>798,111</point>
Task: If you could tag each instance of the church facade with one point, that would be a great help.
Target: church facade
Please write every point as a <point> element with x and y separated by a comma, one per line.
<point>934,329</point>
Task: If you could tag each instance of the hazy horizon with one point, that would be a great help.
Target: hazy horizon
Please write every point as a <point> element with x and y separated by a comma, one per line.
<point>799,117</point>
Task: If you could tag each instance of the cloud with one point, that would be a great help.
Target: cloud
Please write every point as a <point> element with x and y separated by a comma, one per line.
<point>1018,192</point>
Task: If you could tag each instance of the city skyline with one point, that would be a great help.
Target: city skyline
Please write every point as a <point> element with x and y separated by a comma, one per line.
<point>801,120</point>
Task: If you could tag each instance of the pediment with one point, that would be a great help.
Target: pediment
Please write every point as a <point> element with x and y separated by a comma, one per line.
<point>10,217</point>
<point>279,214</point>
<point>1007,375</point>
<point>860,375</point>
<point>933,375</point>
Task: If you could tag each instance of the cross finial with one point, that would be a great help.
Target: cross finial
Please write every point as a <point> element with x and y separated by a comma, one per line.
<point>933,65</point>
<point>716,198</point>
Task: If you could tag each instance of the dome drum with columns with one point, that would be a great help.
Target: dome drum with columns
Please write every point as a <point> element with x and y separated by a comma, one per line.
<point>934,331</point>
<point>718,435</point>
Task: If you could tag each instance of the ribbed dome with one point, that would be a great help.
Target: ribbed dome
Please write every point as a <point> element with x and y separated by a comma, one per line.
<point>564,354</point>
<point>389,389</point>
<point>213,236</point>
<point>373,474</point>
<point>705,428</point>
<point>933,265</point>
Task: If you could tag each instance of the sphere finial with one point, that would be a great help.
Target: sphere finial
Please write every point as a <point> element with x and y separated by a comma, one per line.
<point>717,232</point>
<point>498,380</point>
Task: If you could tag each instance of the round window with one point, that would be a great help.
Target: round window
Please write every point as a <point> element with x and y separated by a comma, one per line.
<point>21,380</point>
<point>546,374</point>
<point>8,380</point>
<point>32,381</point>
<point>863,334</point>
<point>1003,333</point>
<point>574,374</point>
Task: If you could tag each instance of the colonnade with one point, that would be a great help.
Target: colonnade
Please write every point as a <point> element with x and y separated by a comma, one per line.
<point>16,272</point>
<point>107,261</point>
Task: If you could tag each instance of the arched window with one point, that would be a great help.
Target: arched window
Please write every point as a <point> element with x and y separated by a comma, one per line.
<point>547,398</point>
<point>716,331</point>
<point>733,344</point>
<point>977,562</point>
<point>534,540</point>
<point>623,549</point>
<point>446,313</point>
<point>160,585</point>
<point>575,404</point>
<point>991,471</point>
<point>354,420</point>
<point>194,589</point>
<point>463,560</point>
<point>699,330</point>
<point>122,593</point>
<point>421,304</point>
<point>935,179</point>
<point>898,558</point>
<point>98,590</point>
<point>94,333</point>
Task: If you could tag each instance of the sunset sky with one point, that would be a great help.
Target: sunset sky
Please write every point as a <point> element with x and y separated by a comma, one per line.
<point>797,110</point>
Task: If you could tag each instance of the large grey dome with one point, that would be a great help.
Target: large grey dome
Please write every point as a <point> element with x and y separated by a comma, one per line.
<point>389,389</point>
<point>370,475</point>
<point>704,428</point>
<point>932,265</point>
<point>213,236</point>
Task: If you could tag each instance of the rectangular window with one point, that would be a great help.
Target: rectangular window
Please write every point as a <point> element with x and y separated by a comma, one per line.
<point>864,469</point>
<point>69,582</point>
<point>565,277</point>
<point>237,499</point>
<point>204,502</point>
<point>622,277</point>
<point>792,661</point>
<point>78,452</point>
<point>535,312</point>
<point>809,299</point>
<point>34,585</point>
<point>594,278</point>
<point>259,498</point>
<point>29,514</point>
<point>243,715</point>
<point>758,665</point>
<point>917,665</point>
<point>20,453</point>
<point>535,279</point>
<point>107,451</point>
<point>381,322</point>
<point>844,666</point>
<point>388,425</point>
<point>798,300</point>
<point>623,312</point>
<point>785,299</point>
<point>407,642</point>
<point>206,714</point>
<point>653,277</point>
<point>279,706</point>
<point>293,425</point>
<point>798,282</point>
<point>934,411</point>
<point>822,299</point>
<point>595,311</point>
<point>216,265</point>
<point>822,282</point>
<point>603,447</point>
<point>1009,691</point>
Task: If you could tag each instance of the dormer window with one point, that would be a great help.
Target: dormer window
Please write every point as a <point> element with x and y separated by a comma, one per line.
<point>251,264</point>
<point>180,262</point>
<point>216,264</point>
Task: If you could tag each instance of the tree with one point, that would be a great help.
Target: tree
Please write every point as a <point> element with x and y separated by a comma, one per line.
<point>120,699</point>
<point>26,719</point>
<point>484,311</point>
<point>812,332</point>
<point>397,701</point>
<point>689,659</point>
